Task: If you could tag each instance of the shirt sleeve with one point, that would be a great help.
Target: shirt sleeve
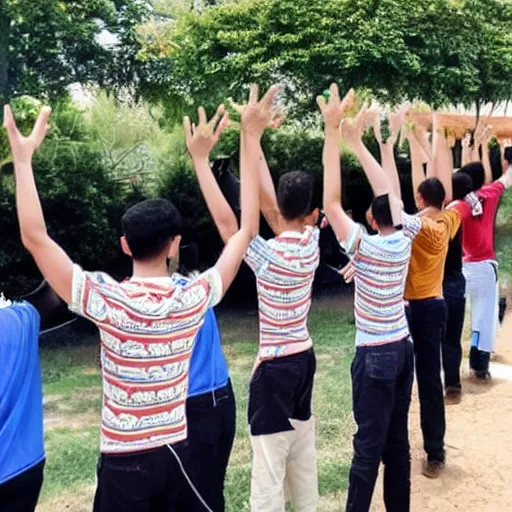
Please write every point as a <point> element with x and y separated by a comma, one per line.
<point>211,278</point>
<point>259,254</point>
<point>462,208</point>
<point>411,225</point>
<point>451,219</point>
<point>493,191</point>
<point>350,244</point>
<point>87,297</point>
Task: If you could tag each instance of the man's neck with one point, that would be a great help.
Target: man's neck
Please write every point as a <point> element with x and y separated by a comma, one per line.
<point>387,231</point>
<point>149,269</point>
<point>293,225</point>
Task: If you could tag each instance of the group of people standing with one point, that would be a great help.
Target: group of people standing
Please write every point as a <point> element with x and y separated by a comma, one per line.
<point>168,412</point>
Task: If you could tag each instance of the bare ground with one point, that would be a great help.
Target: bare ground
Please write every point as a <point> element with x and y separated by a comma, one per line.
<point>478,474</point>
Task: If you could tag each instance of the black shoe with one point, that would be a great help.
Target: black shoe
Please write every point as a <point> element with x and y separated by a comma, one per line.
<point>474,358</point>
<point>503,308</point>
<point>483,375</point>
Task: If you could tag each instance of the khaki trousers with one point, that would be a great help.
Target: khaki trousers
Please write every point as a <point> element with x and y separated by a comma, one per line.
<point>285,462</point>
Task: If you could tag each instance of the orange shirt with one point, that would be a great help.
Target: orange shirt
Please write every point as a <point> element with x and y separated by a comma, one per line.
<point>426,269</point>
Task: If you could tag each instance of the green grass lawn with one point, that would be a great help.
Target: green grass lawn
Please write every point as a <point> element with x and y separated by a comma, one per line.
<point>72,389</point>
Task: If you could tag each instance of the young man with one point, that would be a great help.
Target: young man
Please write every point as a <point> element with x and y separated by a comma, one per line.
<point>480,265</point>
<point>382,370</point>
<point>21,408</point>
<point>280,419</point>
<point>424,292</point>
<point>147,324</point>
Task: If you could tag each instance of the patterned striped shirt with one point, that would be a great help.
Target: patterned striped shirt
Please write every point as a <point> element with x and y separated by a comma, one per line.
<point>381,264</point>
<point>285,268</point>
<point>147,328</point>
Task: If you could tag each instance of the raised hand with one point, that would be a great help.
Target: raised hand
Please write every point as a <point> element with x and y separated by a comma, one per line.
<point>334,109</point>
<point>201,139</point>
<point>258,115</point>
<point>23,148</point>
<point>352,130</point>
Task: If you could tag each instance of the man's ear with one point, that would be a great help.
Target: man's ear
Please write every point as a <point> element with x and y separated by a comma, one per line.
<point>125,247</point>
<point>174,249</point>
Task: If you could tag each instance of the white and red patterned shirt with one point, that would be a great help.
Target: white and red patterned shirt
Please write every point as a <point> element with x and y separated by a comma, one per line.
<point>285,268</point>
<point>147,328</point>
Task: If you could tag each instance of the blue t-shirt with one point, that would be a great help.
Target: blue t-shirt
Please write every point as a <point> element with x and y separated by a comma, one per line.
<point>21,397</point>
<point>208,367</point>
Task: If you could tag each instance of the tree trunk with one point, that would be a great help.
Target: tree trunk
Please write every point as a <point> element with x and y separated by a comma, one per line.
<point>4,58</point>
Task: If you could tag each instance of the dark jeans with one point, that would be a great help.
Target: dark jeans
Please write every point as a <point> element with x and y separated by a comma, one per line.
<point>211,422</point>
<point>382,378</point>
<point>427,321</point>
<point>150,481</point>
<point>20,494</point>
<point>454,290</point>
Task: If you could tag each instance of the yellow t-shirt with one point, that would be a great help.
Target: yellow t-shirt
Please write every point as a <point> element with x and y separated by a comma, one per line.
<point>426,269</point>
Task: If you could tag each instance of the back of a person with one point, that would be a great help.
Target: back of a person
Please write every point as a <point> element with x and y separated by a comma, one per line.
<point>21,403</point>
<point>284,293</point>
<point>429,250</point>
<point>381,264</point>
<point>147,328</point>
<point>478,230</point>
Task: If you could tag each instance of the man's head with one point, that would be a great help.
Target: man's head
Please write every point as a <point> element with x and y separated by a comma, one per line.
<point>462,185</point>
<point>151,230</point>
<point>430,193</point>
<point>295,197</point>
<point>475,170</point>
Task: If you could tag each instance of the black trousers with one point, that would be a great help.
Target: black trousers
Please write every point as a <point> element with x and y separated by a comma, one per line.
<point>281,389</point>
<point>427,322</point>
<point>382,378</point>
<point>150,481</point>
<point>454,290</point>
<point>211,422</point>
<point>20,494</point>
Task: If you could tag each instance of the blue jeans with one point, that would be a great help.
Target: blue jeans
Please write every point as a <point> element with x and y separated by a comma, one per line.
<point>382,378</point>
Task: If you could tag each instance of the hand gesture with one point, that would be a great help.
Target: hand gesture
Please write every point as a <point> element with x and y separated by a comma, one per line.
<point>466,141</point>
<point>334,109</point>
<point>259,115</point>
<point>352,130</point>
<point>22,148</point>
<point>201,139</point>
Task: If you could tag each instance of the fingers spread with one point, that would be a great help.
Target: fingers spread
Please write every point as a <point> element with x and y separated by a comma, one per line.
<point>253,94</point>
<point>270,96</point>
<point>334,96</point>
<point>202,116</point>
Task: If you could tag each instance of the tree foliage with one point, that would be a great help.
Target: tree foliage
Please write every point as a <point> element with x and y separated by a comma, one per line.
<point>439,51</point>
<point>45,45</point>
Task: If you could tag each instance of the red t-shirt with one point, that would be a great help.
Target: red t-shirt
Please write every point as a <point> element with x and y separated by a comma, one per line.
<point>478,232</point>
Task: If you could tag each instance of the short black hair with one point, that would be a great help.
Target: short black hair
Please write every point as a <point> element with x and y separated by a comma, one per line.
<point>295,195</point>
<point>462,185</point>
<point>149,226</point>
<point>475,170</point>
<point>381,211</point>
<point>508,154</point>
<point>432,192</point>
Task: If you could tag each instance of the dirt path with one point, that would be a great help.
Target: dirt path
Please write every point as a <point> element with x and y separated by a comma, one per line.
<point>478,475</point>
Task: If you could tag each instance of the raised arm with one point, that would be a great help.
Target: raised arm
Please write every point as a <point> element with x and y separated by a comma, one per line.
<point>332,113</point>
<point>200,142</point>
<point>486,154</point>
<point>352,133</point>
<point>443,160</point>
<point>256,117</point>
<point>418,158</point>
<point>52,261</point>
<point>466,150</point>
<point>268,197</point>
<point>387,149</point>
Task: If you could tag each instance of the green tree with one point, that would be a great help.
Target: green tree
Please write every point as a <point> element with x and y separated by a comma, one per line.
<point>440,51</point>
<point>45,45</point>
